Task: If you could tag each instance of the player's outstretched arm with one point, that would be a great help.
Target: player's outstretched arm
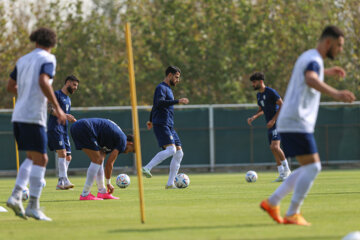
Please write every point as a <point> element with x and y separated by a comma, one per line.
<point>183,101</point>
<point>12,86</point>
<point>335,71</point>
<point>48,91</point>
<point>312,80</point>
<point>109,167</point>
<point>257,114</point>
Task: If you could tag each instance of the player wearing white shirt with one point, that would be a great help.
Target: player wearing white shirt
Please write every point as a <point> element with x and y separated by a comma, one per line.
<point>297,120</point>
<point>31,82</point>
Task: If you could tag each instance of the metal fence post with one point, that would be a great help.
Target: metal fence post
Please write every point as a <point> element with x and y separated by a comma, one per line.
<point>211,138</point>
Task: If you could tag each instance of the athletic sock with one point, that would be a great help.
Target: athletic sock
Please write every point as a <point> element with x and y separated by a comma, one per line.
<point>286,187</point>
<point>62,168</point>
<point>36,185</point>
<point>285,164</point>
<point>100,179</point>
<point>161,156</point>
<point>280,169</point>
<point>175,166</point>
<point>22,178</point>
<point>90,176</point>
<point>303,186</point>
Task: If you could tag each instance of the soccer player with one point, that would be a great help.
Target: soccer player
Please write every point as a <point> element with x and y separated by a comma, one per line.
<point>31,82</point>
<point>98,137</point>
<point>58,138</point>
<point>162,121</point>
<point>270,103</point>
<point>297,119</point>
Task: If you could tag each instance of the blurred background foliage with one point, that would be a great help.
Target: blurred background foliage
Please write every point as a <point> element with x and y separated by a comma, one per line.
<point>217,44</point>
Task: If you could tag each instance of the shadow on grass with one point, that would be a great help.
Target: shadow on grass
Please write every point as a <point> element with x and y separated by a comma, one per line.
<point>163,229</point>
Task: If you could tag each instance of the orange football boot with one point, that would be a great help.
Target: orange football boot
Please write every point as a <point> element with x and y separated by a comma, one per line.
<point>297,219</point>
<point>273,211</point>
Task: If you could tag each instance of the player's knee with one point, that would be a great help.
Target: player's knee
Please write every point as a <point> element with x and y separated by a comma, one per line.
<point>68,158</point>
<point>180,154</point>
<point>273,147</point>
<point>171,150</point>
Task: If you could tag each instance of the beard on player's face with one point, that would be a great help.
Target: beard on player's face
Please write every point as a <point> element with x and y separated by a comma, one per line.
<point>70,90</point>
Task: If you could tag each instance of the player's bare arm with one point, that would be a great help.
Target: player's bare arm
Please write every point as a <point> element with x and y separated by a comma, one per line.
<point>109,167</point>
<point>49,93</point>
<point>335,71</point>
<point>183,101</point>
<point>313,81</point>
<point>12,86</point>
<point>257,114</point>
<point>271,123</point>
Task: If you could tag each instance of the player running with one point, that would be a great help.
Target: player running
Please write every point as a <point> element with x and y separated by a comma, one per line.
<point>297,120</point>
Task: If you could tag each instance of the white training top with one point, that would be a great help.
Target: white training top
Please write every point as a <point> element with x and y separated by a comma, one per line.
<point>31,103</point>
<point>301,102</point>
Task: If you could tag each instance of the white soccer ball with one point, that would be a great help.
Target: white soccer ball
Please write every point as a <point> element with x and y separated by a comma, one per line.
<point>352,236</point>
<point>123,180</point>
<point>251,176</point>
<point>25,194</point>
<point>182,180</point>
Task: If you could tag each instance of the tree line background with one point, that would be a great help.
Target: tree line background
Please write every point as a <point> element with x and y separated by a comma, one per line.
<point>217,45</point>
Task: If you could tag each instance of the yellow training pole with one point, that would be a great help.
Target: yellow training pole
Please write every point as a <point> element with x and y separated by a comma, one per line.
<point>16,146</point>
<point>135,119</point>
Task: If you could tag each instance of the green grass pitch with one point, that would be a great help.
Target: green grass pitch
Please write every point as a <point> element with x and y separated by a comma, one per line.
<point>214,206</point>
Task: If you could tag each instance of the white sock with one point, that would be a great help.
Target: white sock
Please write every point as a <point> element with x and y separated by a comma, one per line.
<point>67,164</point>
<point>37,174</point>
<point>161,156</point>
<point>90,177</point>
<point>174,166</point>
<point>280,169</point>
<point>62,168</point>
<point>100,179</point>
<point>302,186</point>
<point>22,178</point>
<point>285,164</point>
<point>286,187</point>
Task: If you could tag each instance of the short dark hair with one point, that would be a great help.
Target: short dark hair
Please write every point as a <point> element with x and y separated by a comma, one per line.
<point>172,69</point>
<point>44,37</point>
<point>130,138</point>
<point>331,31</point>
<point>257,76</point>
<point>72,78</point>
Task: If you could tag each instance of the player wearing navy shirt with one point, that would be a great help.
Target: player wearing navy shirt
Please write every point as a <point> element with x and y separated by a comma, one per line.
<point>98,137</point>
<point>162,121</point>
<point>270,102</point>
<point>58,139</point>
<point>297,120</point>
<point>31,82</point>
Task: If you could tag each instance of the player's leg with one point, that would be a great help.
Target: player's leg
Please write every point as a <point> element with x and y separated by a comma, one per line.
<point>310,168</point>
<point>61,153</point>
<point>102,192</point>
<point>175,162</point>
<point>96,161</point>
<point>166,141</point>
<point>67,183</point>
<point>37,175</point>
<point>22,180</point>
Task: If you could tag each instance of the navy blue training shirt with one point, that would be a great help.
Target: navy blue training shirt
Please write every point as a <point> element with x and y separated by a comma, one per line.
<point>267,101</point>
<point>108,134</point>
<point>65,104</point>
<point>163,105</point>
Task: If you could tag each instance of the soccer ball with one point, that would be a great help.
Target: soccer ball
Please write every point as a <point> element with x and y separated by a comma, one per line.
<point>25,194</point>
<point>182,180</point>
<point>251,176</point>
<point>123,180</point>
<point>352,236</point>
